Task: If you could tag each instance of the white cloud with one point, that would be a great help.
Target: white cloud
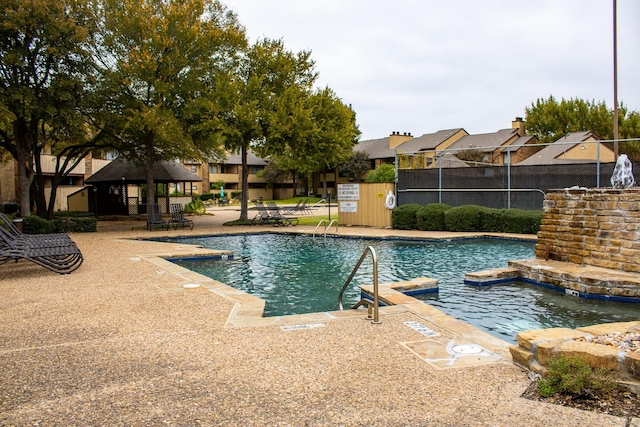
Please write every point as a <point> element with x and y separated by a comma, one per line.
<point>421,66</point>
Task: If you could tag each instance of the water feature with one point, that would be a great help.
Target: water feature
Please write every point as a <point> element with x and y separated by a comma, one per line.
<point>300,274</point>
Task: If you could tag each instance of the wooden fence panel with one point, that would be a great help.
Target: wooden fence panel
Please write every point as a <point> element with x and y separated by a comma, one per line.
<point>369,209</point>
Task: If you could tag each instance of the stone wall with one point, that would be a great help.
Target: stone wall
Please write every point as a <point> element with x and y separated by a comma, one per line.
<point>597,227</point>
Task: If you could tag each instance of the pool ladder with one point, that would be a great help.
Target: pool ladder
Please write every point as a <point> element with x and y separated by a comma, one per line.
<point>376,315</point>
<point>333,221</point>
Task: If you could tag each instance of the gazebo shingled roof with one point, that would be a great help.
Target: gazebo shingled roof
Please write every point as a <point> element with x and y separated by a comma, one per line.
<point>163,172</point>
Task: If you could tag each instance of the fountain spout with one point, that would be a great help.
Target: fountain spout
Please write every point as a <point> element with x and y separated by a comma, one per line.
<point>622,174</point>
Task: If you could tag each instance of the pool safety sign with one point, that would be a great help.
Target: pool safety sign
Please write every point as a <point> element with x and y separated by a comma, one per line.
<point>348,192</point>
<point>348,207</point>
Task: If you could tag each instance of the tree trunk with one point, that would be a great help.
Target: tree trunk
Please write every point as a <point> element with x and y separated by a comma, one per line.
<point>151,193</point>
<point>24,159</point>
<point>245,184</point>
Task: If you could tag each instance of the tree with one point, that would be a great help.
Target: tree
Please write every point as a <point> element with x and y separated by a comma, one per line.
<point>330,137</point>
<point>45,66</point>
<point>384,173</point>
<point>357,166</point>
<point>159,60</point>
<point>261,103</point>
<point>549,120</point>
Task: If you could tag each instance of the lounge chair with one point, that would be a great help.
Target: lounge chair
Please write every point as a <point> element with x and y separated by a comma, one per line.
<point>54,252</point>
<point>278,218</point>
<point>263,216</point>
<point>154,219</point>
<point>294,209</point>
<point>177,217</point>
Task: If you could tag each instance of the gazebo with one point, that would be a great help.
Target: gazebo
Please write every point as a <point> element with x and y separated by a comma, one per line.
<point>117,186</point>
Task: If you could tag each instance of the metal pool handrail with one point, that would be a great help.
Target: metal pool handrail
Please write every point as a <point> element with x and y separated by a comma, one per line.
<point>322,221</point>
<point>374,258</point>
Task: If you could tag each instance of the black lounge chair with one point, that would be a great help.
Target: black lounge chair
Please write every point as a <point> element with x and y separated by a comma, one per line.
<point>54,252</point>
<point>154,219</point>
<point>177,217</point>
<point>294,209</point>
<point>263,216</point>
<point>278,218</point>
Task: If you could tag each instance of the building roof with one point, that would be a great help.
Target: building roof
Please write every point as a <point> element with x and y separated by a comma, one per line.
<point>552,154</point>
<point>484,141</point>
<point>448,160</point>
<point>121,169</point>
<point>428,141</point>
<point>252,159</point>
<point>376,148</point>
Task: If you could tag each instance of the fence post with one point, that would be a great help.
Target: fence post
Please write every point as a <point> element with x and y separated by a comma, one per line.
<point>440,177</point>
<point>509,178</point>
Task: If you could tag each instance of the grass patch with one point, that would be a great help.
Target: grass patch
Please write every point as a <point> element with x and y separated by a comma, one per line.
<point>304,220</point>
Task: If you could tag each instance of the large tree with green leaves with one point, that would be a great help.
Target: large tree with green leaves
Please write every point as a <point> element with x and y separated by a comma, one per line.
<point>160,60</point>
<point>45,70</point>
<point>549,120</point>
<point>262,103</point>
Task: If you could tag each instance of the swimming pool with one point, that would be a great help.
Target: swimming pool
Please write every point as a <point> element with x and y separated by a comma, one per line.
<point>301,274</point>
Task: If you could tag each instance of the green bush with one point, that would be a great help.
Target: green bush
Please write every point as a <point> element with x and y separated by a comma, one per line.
<point>574,376</point>
<point>464,218</point>
<point>33,224</point>
<point>493,220</point>
<point>431,217</point>
<point>522,222</point>
<point>404,217</point>
<point>236,194</point>
<point>384,173</point>
<point>206,196</point>
<point>195,207</point>
<point>75,224</point>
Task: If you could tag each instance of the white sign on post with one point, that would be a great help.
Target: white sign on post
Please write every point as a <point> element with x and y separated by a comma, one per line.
<point>348,207</point>
<point>348,191</point>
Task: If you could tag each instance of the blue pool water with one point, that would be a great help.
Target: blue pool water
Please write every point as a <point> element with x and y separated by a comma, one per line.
<point>301,274</point>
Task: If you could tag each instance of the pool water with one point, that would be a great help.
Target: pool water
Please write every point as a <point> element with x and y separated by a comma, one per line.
<point>300,274</point>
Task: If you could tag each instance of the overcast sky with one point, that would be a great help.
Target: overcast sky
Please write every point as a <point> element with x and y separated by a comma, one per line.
<point>421,66</point>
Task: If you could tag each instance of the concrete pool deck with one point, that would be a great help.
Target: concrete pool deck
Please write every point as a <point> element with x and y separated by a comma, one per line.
<point>121,341</point>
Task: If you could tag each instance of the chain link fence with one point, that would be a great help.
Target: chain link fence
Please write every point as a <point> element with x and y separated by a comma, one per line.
<point>503,177</point>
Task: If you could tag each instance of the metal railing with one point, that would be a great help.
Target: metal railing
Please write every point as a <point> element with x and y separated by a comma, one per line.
<point>376,303</point>
<point>322,221</point>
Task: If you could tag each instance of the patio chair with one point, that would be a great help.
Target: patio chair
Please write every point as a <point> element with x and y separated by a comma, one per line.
<point>263,216</point>
<point>60,255</point>
<point>154,219</point>
<point>278,218</point>
<point>177,217</point>
<point>8,224</point>
<point>294,209</point>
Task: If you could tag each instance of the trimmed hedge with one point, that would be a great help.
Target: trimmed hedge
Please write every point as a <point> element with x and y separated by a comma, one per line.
<point>431,217</point>
<point>441,217</point>
<point>404,217</point>
<point>464,218</point>
<point>63,222</point>
<point>33,224</point>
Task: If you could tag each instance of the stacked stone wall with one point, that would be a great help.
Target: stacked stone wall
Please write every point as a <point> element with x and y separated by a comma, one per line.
<point>597,227</point>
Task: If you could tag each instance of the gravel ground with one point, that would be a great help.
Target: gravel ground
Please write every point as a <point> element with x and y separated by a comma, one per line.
<point>121,343</point>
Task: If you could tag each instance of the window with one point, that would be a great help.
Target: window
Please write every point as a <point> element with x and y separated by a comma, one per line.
<point>194,168</point>
<point>253,170</point>
<point>213,168</point>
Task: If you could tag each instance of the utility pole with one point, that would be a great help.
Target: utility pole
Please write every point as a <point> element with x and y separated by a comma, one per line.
<point>615,80</point>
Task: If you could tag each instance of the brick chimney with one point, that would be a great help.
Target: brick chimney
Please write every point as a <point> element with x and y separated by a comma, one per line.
<point>518,123</point>
<point>396,139</point>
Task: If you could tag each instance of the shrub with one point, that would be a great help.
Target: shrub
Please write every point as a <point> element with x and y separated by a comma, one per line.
<point>207,196</point>
<point>195,207</point>
<point>384,173</point>
<point>523,222</point>
<point>431,217</point>
<point>33,224</point>
<point>404,217</point>
<point>464,218</point>
<point>65,224</point>
<point>493,220</point>
<point>574,376</point>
